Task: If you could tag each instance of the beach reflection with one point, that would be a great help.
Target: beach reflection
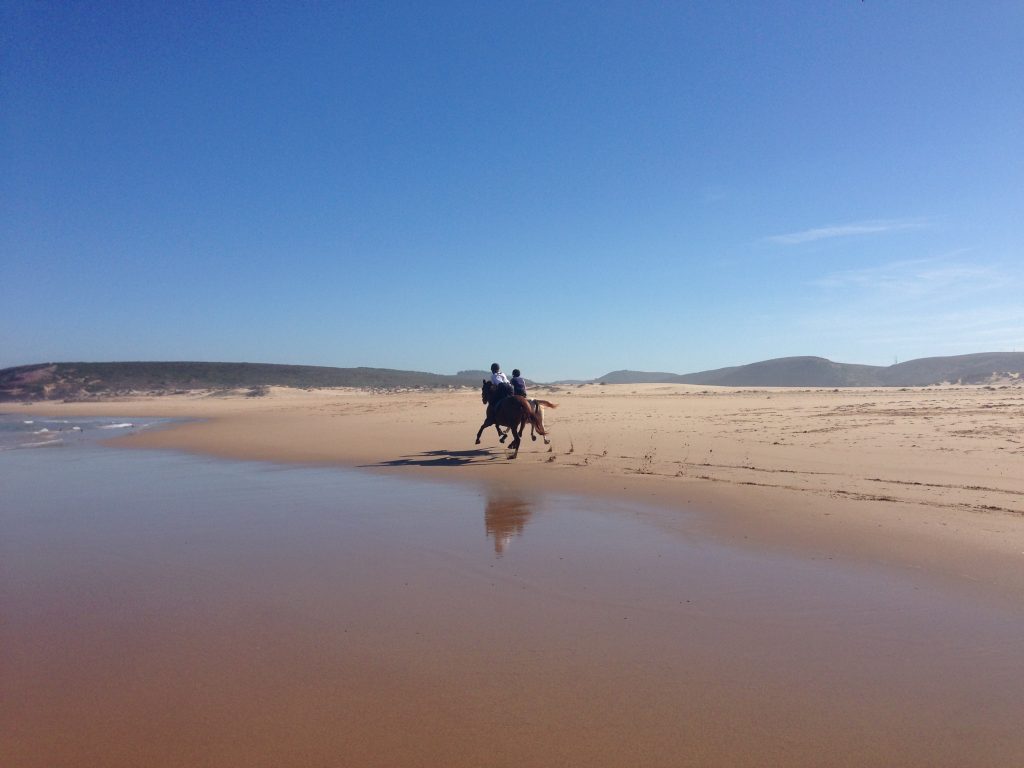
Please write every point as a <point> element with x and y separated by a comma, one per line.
<point>504,518</point>
<point>158,606</point>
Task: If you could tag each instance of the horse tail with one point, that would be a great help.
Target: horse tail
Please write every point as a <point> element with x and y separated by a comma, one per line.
<point>537,423</point>
<point>545,403</point>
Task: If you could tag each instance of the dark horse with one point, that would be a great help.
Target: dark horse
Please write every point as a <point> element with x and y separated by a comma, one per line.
<point>513,412</point>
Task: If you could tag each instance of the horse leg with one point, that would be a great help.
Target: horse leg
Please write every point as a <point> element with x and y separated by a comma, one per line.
<point>517,435</point>
<point>539,412</point>
<point>491,418</point>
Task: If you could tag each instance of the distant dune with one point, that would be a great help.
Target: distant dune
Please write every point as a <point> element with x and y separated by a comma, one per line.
<point>637,377</point>
<point>819,372</point>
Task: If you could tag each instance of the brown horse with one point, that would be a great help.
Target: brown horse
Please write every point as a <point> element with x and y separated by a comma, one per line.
<point>538,407</point>
<point>512,412</point>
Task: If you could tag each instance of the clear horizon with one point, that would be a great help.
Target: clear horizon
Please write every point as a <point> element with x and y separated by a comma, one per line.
<point>571,190</point>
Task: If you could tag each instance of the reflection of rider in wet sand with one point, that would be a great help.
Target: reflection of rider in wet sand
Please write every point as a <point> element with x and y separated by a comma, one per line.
<point>504,519</point>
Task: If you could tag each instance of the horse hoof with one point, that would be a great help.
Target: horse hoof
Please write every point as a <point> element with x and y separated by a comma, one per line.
<point>533,437</point>
<point>477,442</point>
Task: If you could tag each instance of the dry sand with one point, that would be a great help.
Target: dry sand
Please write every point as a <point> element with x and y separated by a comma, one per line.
<point>930,479</point>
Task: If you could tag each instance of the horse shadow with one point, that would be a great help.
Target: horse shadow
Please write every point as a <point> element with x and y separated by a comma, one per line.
<point>439,458</point>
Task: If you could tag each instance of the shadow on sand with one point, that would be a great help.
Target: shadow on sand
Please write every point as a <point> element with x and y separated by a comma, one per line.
<point>440,459</point>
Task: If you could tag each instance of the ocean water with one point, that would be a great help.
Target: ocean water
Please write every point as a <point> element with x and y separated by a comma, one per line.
<point>27,431</point>
<point>168,609</point>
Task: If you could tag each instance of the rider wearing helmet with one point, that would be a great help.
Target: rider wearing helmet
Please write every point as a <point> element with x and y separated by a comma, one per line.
<point>518,383</point>
<point>502,388</point>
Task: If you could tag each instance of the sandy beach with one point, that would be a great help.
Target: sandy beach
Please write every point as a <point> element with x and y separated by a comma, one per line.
<point>685,576</point>
<point>260,259</point>
<point>930,479</point>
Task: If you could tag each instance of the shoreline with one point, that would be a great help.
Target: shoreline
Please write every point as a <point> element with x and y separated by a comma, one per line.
<point>930,481</point>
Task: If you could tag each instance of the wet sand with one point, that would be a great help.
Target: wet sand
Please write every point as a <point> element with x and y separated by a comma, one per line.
<point>930,480</point>
<point>748,577</point>
<point>165,610</point>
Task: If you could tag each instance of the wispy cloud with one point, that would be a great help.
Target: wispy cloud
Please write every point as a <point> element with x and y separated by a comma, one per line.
<point>873,227</point>
<point>911,333</point>
<point>917,278</point>
<point>947,304</point>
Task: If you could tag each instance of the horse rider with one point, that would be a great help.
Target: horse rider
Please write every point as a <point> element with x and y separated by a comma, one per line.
<point>501,387</point>
<point>518,383</point>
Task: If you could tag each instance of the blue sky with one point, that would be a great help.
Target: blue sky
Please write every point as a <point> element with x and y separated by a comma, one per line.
<point>570,188</point>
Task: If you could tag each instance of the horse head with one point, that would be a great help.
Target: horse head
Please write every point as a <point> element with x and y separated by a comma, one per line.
<point>485,391</point>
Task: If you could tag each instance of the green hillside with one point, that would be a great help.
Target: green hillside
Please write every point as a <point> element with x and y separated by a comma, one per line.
<point>62,381</point>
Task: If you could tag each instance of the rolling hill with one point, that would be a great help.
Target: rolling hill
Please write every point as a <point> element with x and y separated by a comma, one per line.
<point>819,372</point>
<point>78,381</point>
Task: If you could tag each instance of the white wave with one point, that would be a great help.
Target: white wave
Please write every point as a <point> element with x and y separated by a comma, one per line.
<point>55,441</point>
<point>40,431</point>
<point>117,426</point>
<point>28,422</point>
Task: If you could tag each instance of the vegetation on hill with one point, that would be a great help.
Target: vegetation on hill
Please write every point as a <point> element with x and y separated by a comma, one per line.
<point>637,377</point>
<point>62,381</point>
<point>77,381</point>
